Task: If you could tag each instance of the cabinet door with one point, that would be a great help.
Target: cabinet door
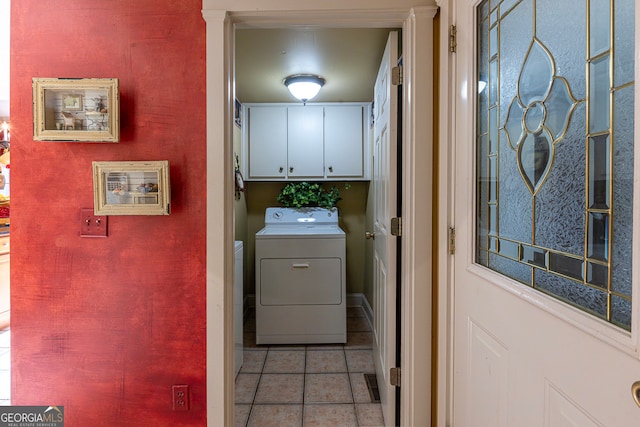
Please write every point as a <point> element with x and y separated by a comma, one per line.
<point>305,142</point>
<point>343,141</point>
<point>267,142</point>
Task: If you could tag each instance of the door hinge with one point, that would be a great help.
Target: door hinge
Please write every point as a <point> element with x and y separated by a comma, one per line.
<point>396,76</point>
<point>396,227</point>
<point>395,377</point>
<point>453,43</point>
<point>452,240</point>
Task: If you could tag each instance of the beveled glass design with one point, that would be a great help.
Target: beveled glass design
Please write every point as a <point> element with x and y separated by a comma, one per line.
<point>599,175</point>
<point>598,236</point>
<point>534,158</point>
<point>597,274</point>
<point>509,249</point>
<point>534,256</point>
<point>599,90</point>
<point>599,27</point>
<point>541,96</point>
<point>570,267</point>
<point>555,149</point>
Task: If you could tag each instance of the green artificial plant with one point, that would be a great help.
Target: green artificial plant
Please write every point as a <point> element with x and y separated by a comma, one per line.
<point>307,194</point>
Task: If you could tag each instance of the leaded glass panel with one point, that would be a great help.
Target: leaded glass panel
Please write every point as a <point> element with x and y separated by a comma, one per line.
<point>558,32</point>
<point>622,194</point>
<point>506,6</point>
<point>599,30</point>
<point>599,86</point>
<point>555,149</point>
<point>624,42</point>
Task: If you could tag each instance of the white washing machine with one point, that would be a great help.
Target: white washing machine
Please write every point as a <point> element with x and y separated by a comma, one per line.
<point>238,306</point>
<point>301,277</point>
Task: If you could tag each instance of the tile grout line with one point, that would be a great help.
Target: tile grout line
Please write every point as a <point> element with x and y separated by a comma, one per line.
<point>304,385</point>
<point>353,398</point>
<point>255,392</point>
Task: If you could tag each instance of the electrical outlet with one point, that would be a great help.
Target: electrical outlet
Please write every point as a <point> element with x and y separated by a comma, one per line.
<point>180,395</point>
<point>92,225</point>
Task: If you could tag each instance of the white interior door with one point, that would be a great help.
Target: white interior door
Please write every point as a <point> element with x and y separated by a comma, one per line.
<point>384,257</point>
<point>546,210</point>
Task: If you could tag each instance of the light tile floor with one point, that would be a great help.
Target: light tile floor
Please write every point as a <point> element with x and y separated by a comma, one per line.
<point>308,385</point>
<point>5,368</point>
<point>313,385</point>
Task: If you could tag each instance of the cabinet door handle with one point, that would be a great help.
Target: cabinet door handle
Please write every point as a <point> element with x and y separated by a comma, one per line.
<point>281,169</point>
<point>331,169</point>
<point>300,265</point>
<point>291,169</point>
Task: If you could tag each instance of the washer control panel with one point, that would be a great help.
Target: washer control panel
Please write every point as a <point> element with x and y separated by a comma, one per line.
<point>304,215</point>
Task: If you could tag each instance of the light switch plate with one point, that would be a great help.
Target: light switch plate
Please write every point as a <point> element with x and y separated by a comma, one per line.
<point>92,225</point>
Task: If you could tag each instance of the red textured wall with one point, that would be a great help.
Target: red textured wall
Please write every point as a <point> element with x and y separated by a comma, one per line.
<point>106,326</point>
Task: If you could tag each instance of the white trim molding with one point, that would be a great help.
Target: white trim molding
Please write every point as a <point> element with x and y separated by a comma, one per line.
<point>417,218</point>
<point>219,246</point>
<point>445,207</point>
<point>415,17</point>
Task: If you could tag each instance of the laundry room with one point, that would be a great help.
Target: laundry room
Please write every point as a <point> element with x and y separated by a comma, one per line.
<point>348,60</point>
<point>307,257</point>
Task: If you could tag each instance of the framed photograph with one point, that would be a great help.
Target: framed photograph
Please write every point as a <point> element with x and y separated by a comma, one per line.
<point>77,110</point>
<point>72,102</point>
<point>131,188</point>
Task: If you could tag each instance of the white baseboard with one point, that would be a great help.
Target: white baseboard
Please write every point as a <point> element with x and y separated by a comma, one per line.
<point>355,300</point>
<point>368,311</point>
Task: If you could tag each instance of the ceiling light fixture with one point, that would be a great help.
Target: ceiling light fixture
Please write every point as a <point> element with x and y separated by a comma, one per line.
<point>304,86</point>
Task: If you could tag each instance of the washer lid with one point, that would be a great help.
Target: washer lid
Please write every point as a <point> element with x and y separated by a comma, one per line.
<point>302,216</point>
<point>300,231</point>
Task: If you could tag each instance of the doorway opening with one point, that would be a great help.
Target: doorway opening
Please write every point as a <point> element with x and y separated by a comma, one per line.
<point>417,27</point>
<point>348,59</point>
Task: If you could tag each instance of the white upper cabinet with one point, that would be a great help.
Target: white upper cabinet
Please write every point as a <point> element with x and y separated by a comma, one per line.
<point>305,142</point>
<point>344,141</point>
<point>310,142</point>
<point>268,141</point>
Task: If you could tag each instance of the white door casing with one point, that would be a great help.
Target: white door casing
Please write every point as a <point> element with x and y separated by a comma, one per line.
<point>416,19</point>
<point>523,358</point>
<point>385,207</point>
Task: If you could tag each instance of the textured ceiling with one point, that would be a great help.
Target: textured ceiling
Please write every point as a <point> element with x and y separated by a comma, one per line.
<point>347,58</point>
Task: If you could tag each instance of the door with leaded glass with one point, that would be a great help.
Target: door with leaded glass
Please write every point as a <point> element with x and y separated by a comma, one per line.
<point>546,321</point>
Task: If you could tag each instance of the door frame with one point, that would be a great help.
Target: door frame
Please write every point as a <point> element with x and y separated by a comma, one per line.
<point>445,218</point>
<point>416,21</point>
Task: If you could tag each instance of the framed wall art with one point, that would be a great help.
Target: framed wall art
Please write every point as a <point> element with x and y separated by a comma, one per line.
<point>131,188</point>
<point>72,102</point>
<point>78,110</point>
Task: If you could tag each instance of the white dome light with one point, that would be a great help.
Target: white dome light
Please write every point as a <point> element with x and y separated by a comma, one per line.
<point>304,86</point>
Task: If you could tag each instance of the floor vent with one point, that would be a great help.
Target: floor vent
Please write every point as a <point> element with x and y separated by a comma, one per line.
<point>372,385</point>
